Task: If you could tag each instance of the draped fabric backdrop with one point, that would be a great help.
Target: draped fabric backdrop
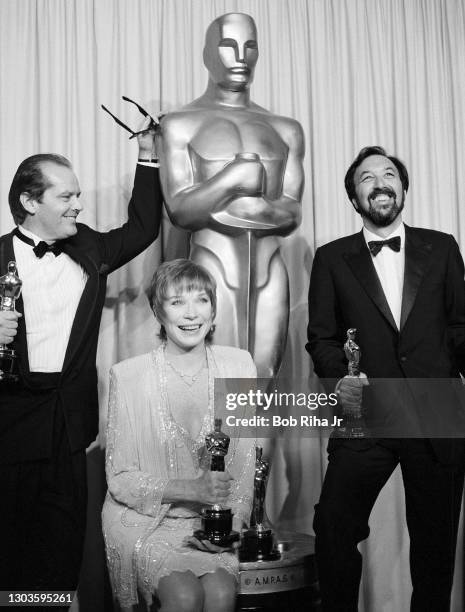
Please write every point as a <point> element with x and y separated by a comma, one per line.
<point>353,72</point>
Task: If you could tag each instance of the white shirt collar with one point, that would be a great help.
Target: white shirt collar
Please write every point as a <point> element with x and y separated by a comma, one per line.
<point>399,231</point>
<point>29,234</point>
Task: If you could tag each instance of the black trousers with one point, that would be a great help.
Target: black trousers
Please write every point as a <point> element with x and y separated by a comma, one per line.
<point>433,493</point>
<point>43,519</point>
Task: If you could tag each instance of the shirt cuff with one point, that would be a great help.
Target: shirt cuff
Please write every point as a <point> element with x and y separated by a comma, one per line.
<point>149,164</point>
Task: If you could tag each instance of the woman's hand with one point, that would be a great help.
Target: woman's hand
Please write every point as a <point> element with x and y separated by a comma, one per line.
<point>238,524</point>
<point>209,488</point>
<point>212,487</point>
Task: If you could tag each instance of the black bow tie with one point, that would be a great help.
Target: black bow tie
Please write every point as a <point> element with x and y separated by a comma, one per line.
<point>375,246</point>
<point>40,249</point>
<point>56,248</point>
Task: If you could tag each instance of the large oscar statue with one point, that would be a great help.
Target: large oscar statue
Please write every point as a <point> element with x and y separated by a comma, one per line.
<point>232,175</point>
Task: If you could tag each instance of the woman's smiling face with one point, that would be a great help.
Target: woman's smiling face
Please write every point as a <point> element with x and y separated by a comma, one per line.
<point>188,317</point>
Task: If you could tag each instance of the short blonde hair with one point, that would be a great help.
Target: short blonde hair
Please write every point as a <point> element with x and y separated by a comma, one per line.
<point>180,275</point>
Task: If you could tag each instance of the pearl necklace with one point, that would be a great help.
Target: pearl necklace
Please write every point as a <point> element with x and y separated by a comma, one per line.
<point>184,376</point>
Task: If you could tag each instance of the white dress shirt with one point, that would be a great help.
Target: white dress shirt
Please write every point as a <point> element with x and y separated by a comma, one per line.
<point>389,266</point>
<point>52,288</point>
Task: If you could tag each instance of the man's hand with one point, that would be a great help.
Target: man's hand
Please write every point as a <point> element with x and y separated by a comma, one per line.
<point>8,325</point>
<point>349,392</point>
<point>212,487</point>
<point>147,140</point>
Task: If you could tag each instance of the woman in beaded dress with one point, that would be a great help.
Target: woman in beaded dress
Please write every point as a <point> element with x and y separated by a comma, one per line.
<point>160,409</point>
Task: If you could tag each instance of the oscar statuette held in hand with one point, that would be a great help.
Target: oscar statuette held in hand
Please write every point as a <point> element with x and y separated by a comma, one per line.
<point>217,520</point>
<point>353,422</point>
<point>10,290</point>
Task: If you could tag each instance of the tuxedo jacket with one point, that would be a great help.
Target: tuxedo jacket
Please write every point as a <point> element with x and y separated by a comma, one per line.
<point>27,409</point>
<point>345,292</point>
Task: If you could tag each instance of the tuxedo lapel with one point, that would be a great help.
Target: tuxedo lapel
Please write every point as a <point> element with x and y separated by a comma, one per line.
<point>361,264</point>
<point>417,257</point>
<point>85,309</point>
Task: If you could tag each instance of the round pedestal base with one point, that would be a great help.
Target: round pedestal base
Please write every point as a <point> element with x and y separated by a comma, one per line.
<point>8,365</point>
<point>220,539</point>
<point>258,545</point>
<point>217,526</point>
<point>288,584</point>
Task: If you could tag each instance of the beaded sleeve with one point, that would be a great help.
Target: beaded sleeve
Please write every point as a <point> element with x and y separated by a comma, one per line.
<point>127,484</point>
<point>242,469</point>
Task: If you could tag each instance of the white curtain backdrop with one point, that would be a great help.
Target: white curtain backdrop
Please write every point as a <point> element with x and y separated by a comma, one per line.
<point>353,72</point>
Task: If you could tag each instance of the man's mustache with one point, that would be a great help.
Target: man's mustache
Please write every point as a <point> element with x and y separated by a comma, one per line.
<point>382,191</point>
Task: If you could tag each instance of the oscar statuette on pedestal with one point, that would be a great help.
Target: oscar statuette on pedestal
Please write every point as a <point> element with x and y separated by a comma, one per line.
<point>258,542</point>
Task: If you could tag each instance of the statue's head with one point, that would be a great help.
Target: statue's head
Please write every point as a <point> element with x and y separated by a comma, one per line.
<point>231,51</point>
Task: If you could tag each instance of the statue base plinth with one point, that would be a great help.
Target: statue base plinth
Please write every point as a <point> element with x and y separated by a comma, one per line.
<point>288,583</point>
<point>223,540</point>
<point>217,527</point>
<point>352,428</point>
<point>258,545</point>
<point>8,365</point>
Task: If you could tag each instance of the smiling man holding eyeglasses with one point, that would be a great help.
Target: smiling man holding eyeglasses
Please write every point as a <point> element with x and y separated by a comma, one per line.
<point>50,416</point>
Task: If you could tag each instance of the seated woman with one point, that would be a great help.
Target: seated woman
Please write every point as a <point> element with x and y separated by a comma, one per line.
<point>160,409</point>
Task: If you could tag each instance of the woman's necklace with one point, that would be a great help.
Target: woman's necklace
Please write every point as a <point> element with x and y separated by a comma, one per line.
<point>171,428</point>
<point>188,379</point>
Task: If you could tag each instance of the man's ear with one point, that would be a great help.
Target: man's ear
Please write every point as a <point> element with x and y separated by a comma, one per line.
<point>355,205</point>
<point>28,203</point>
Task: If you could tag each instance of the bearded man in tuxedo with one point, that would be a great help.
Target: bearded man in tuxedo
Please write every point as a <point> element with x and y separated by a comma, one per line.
<point>49,418</point>
<point>403,290</point>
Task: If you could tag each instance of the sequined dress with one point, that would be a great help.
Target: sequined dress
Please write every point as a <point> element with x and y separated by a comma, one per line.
<point>146,448</point>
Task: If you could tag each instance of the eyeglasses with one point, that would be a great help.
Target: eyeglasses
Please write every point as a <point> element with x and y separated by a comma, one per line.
<point>153,125</point>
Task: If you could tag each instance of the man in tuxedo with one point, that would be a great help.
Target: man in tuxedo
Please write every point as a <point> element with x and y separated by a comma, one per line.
<point>49,418</point>
<point>403,290</point>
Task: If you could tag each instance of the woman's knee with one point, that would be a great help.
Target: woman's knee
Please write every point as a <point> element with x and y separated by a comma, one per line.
<point>220,590</point>
<point>180,592</point>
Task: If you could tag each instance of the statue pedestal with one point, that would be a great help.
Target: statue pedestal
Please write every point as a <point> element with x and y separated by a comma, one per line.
<point>288,584</point>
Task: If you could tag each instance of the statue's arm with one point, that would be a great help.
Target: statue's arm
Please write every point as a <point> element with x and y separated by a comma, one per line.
<point>191,205</point>
<point>287,210</point>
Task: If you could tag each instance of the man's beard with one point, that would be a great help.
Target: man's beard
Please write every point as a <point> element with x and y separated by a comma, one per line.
<point>382,217</point>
